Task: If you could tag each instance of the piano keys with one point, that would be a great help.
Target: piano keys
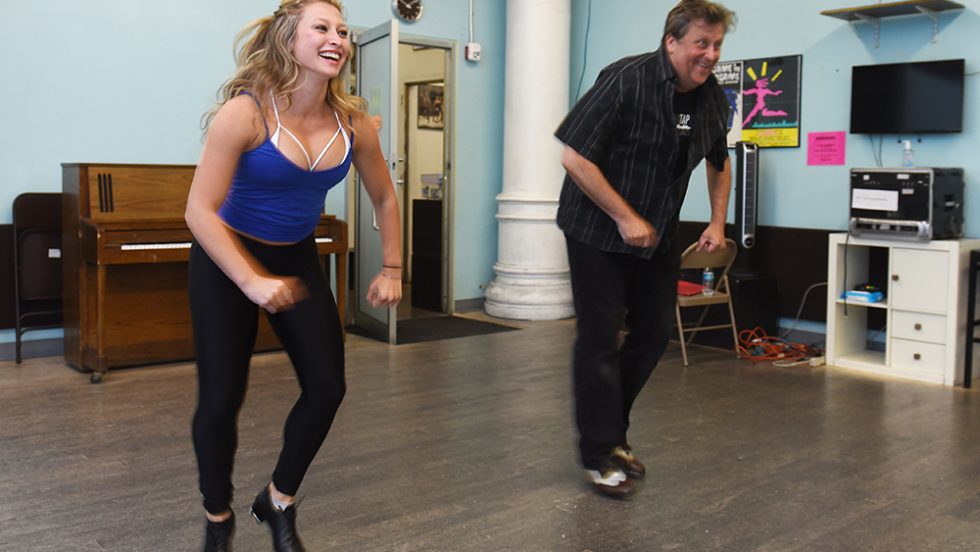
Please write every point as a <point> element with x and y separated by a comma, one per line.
<point>124,256</point>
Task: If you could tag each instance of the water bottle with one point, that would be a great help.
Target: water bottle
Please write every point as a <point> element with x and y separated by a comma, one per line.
<point>708,282</point>
<point>908,154</point>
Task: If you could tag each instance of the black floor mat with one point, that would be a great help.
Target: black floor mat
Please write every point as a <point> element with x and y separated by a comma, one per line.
<point>418,330</point>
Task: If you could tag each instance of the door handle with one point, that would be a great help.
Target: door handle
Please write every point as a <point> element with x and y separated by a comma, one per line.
<point>374,221</point>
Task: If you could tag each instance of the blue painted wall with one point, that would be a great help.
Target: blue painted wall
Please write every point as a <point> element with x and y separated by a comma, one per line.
<point>127,83</point>
<point>792,193</point>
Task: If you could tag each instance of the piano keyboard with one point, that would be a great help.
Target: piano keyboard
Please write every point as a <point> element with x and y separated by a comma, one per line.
<point>179,245</point>
<point>149,246</point>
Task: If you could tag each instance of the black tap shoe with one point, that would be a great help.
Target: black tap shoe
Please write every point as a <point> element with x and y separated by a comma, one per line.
<point>218,535</point>
<point>282,523</point>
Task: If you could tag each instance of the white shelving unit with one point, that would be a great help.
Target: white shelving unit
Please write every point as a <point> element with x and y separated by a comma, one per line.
<point>925,308</point>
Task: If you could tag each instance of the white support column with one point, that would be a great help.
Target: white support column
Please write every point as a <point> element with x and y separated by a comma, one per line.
<point>532,265</point>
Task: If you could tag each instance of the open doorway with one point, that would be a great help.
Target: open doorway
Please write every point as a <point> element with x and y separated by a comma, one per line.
<point>407,82</point>
<point>422,144</point>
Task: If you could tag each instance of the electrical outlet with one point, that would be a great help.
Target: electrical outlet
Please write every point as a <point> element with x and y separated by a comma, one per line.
<point>472,51</point>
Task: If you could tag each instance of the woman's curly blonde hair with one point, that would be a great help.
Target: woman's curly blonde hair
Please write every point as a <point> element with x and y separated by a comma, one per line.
<point>266,63</point>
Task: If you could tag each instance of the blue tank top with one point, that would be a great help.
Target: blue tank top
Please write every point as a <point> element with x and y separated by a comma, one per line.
<point>273,199</point>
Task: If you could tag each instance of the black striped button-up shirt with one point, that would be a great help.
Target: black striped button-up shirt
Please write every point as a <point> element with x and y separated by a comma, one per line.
<point>625,124</point>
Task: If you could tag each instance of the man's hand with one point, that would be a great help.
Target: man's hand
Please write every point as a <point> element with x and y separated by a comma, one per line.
<point>637,231</point>
<point>712,238</point>
<point>634,229</point>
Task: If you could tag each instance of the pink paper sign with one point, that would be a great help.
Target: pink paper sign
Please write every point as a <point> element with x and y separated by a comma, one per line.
<point>825,148</point>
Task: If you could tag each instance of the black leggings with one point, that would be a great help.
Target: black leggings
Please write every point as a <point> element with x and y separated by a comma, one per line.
<point>225,324</point>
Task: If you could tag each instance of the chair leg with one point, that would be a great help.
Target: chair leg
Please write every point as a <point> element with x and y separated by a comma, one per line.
<point>731,312</point>
<point>680,333</point>
<point>704,314</point>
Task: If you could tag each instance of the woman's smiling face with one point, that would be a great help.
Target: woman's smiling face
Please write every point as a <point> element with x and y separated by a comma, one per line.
<point>322,42</point>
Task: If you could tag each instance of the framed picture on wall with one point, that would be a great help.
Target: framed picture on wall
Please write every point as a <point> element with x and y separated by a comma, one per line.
<point>729,75</point>
<point>430,106</point>
<point>764,95</point>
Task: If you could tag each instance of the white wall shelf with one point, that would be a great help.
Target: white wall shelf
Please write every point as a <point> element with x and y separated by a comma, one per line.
<point>925,308</point>
<point>875,12</point>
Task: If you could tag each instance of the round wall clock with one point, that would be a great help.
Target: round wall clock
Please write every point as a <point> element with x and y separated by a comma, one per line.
<point>407,10</point>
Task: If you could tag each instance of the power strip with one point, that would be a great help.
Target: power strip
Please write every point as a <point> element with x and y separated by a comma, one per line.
<point>818,361</point>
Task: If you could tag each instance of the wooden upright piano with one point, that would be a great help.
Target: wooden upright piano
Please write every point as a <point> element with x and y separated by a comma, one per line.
<point>124,251</point>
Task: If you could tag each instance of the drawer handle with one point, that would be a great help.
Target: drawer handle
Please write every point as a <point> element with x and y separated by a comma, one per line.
<point>894,277</point>
<point>917,356</point>
<point>918,326</point>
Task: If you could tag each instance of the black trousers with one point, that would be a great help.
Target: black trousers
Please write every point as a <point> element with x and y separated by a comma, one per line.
<point>610,289</point>
<point>225,324</point>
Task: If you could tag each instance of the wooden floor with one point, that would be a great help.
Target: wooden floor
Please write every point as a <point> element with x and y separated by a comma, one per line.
<point>467,444</point>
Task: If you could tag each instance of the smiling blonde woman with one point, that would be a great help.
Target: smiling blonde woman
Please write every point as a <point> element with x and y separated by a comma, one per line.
<point>284,133</point>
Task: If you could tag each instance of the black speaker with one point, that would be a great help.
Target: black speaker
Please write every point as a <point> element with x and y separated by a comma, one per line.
<point>755,299</point>
<point>746,193</point>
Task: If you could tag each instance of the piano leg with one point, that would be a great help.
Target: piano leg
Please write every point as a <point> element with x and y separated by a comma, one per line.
<point>102,365</point>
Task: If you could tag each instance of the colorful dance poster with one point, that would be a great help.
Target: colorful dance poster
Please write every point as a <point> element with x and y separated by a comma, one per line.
<point>729,75</point>
<point>767,102</point>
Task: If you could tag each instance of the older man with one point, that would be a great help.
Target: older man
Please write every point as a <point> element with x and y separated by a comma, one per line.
<point>631,143</point>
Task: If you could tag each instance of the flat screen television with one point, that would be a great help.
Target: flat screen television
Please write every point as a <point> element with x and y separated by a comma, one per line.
<point>907,98</point>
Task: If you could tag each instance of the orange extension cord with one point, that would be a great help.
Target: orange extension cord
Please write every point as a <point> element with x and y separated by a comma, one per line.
<point>756,346</point>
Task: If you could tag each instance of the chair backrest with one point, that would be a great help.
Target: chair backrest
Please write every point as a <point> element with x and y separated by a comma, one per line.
<point>37,211</point>
<point>37,246</point>
<point>691,258</point>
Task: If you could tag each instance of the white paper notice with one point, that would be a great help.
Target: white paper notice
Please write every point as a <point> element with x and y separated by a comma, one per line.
<point>875,200</point>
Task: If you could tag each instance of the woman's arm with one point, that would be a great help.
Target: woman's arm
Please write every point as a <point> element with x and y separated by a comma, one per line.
<point>235,128</point>
<point>386,288</point>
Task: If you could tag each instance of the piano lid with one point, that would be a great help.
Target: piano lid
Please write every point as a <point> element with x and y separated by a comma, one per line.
<point>135,192</point>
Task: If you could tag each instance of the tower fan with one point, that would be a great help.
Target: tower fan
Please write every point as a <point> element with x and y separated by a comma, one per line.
<point>746,193</point>
<point>746,206</point>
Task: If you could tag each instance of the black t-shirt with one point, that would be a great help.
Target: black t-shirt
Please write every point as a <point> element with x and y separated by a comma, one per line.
<point>685,106</point>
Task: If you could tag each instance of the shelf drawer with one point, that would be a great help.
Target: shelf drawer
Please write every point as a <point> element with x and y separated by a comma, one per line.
<point>919,326</point>
<point>918,356</point>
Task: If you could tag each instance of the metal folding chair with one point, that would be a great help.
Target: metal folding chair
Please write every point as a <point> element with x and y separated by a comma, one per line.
<point>719,259</point>
<point>37,263</point>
